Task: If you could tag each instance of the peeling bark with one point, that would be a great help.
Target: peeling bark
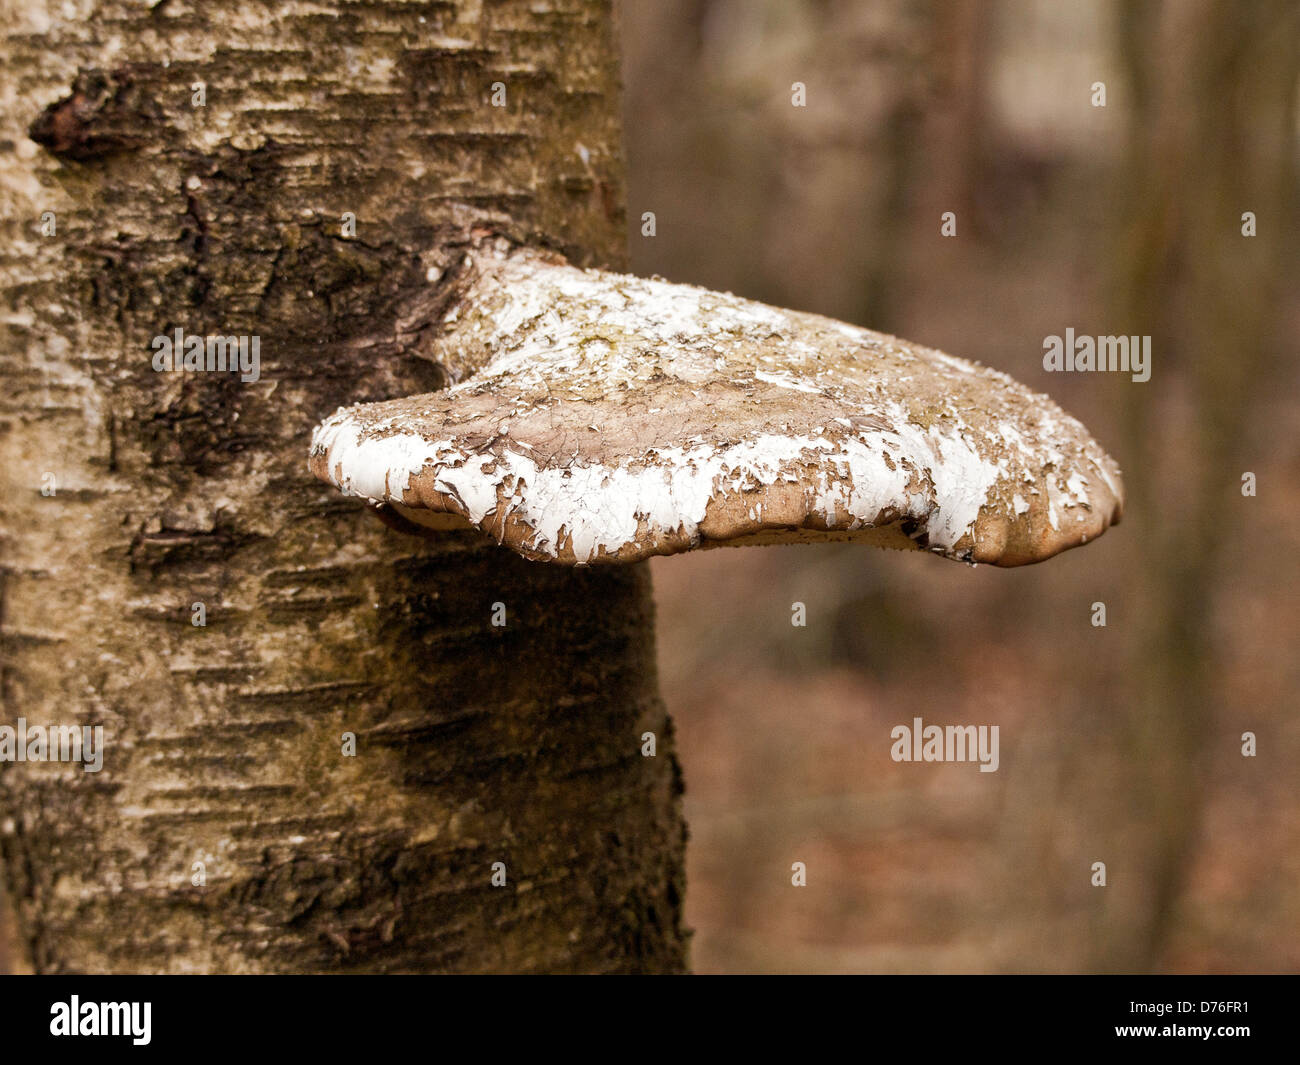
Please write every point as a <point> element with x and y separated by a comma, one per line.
<point>475,744</point>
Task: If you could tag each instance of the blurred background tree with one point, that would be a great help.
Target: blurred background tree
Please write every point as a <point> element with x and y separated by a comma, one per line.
<point>1119,744</point>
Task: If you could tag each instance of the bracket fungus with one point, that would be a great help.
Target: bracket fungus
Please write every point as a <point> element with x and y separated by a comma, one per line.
<point>598,417</point>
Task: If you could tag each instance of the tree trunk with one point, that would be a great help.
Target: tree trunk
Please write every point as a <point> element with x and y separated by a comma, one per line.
<point>1214,89</point>
<point>199,161</point>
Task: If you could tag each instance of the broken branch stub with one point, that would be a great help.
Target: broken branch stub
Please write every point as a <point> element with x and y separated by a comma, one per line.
<point>606,418</point>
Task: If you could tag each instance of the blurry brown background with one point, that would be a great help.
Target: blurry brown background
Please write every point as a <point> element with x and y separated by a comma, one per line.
<point>1119,744</point>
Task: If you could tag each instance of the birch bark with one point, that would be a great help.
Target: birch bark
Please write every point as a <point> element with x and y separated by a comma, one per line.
<point>200,161</point>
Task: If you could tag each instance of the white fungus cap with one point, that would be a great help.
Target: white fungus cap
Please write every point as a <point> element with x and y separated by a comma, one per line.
<point>608,418</point>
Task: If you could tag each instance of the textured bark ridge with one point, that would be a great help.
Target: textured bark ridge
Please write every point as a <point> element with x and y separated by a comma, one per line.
<point>227,831</point>
<point>611,418</point>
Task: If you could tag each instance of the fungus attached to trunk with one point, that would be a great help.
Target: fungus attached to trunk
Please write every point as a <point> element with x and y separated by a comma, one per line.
<point>606,418</point>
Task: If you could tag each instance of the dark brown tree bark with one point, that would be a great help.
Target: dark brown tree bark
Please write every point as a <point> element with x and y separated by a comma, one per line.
<point>199,160</point>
